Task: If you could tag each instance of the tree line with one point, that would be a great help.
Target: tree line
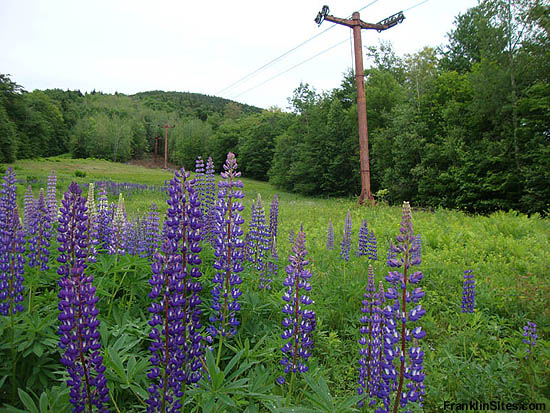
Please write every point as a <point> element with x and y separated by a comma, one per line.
<point>466,125</point>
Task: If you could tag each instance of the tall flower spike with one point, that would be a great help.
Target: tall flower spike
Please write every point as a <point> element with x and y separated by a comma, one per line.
<point>28,210</point>
<point>176,341</point>
<point>468,292</point>
<point>291,236</point>
<point>372,249</point>
<point>330,235</point>
<point>228,251</point>
<point>78,329</point>
<point>370,350</point>
<point>151,232</point>
<point>92,224</point>
<point>250,235</point>
<point>209,200</point>
<point>12,248</point>
<point>530,334</point>
<point>398,315</point>
<point>200,185</point>
<point>118,236</point>
<point>51,196</point>
<point>346,239</point>
<point>273,223</point>
<point>298,322</point>
<point>104,218</point>
<point>39,239</point>
<point>272,265</point>
<point>363,239</point>
<point>417,247</point>
<point>259,241</point>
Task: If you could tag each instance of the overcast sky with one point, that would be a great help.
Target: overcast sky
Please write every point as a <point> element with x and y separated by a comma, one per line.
<point>200,46</point>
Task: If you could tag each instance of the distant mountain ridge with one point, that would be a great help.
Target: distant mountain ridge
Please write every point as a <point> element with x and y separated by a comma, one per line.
<point>189,103</point>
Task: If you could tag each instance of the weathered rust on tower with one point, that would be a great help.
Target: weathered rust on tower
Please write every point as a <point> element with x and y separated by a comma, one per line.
<point>357,25</point>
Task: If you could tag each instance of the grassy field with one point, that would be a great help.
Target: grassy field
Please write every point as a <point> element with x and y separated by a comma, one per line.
<point>468,357</point>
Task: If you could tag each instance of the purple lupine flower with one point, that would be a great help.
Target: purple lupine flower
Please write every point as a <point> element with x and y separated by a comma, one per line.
<point>400,277</point>
<point>299,322</point>
<point>209,200</point>
<point>416,251</point>
<point>104,218</point>
<point>200,185</point>
<point>51,196</point>
<point>151,232</point>
<point>291,236</point>
<point>363,239</point>
<point>12,248</point>
<point>78,329</point>
<point>530,334</point>
<point>392,251</point>
<point>177,345</point>
<point>228,251</point>
<point>273,222</point>
<point>345,245</point>
<point>131,236</point>
<point>249,238</point>
<point>330,235</point>
<point>272,268</point>
<point>28,210</point>
<point>370,362</point>
<point>272,265</point>
<point>39,237</point>
<point>468,292</point>
<point>372,248</point>
<point>258,242</point>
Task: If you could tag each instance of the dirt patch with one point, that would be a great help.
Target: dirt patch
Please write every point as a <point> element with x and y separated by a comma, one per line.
<point>150,163</point>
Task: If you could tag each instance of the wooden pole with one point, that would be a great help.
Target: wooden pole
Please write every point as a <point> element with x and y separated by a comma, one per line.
<point>166,127</point>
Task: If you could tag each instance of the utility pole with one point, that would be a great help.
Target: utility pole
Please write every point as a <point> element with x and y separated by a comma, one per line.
<point>166,127</point>
<point>156,145</point>
<point>357,24</point>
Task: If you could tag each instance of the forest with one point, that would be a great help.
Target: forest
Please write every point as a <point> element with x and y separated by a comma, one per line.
<point>465,125</point>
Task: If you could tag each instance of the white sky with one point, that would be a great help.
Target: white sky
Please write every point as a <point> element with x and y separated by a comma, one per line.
<point>199,46</point>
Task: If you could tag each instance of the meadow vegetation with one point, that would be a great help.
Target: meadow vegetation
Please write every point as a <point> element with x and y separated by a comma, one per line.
<point>477,356</point>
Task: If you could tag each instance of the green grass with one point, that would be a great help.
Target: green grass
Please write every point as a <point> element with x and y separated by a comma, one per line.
<point>468,357</point>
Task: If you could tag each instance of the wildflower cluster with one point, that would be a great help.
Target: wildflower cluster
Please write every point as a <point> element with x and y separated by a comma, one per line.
<point>28,209</point>
<point>150,240</point>
<point>397,314</point>
<point>370,350</point>
<point>299,322</point>
<point>228,251</point>
<point>78,329</point>
<point>39,235</point>
<point>118,234</point>
<point>12,248</point>
<point>345,245</point>
<point>272,266</point>
<point>363,239</point>
<point>51,196</point>
<point>530,334</point>
<point>468,292</point>
<point>330,235</point>
<point>258,241</point>
<point>176,341</point>
<point>209,209</point>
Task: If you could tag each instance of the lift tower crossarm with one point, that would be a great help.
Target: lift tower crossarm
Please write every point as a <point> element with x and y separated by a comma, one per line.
<point>356,22</point>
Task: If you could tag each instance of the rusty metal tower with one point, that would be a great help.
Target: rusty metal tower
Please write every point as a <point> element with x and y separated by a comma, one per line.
<point>357,25</point>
